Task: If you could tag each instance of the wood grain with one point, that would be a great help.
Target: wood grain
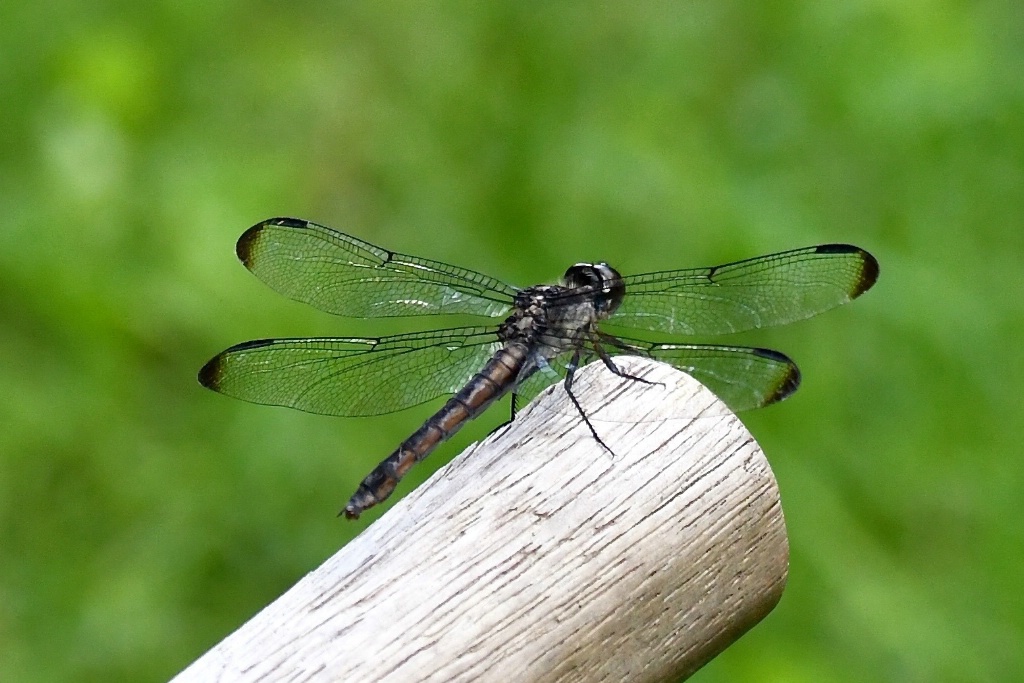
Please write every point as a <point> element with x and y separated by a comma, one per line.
<point>537,555</point>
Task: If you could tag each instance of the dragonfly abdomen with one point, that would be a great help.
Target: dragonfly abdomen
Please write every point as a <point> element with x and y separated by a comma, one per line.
<point>486,387</point>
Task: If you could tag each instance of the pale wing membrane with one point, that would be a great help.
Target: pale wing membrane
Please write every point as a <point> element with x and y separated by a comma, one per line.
<point>340,274</point>
<point>755,293</point>
<point>743,377</point>
<point>351,376</point>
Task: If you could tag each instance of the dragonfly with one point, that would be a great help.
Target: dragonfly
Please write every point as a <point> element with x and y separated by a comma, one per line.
<point>538,335</point>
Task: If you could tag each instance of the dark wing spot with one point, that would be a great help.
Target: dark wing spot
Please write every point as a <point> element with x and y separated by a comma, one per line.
<point>868,269</point>
<point>837,249</point>
<point>246,246</point>
<point>288,222</point>
<point>868,275</point>
<point>254,344</point>
<point>789,383</point>
<point>210,374</point>
<point>247,243</point>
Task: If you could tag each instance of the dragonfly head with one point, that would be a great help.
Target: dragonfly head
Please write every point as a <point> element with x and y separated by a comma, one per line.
<point>600,278</point>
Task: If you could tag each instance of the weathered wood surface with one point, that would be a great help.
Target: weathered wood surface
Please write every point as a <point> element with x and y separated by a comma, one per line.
<point>538,556</point>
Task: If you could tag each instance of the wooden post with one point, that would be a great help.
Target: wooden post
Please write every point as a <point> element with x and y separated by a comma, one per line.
<point>537,555</point>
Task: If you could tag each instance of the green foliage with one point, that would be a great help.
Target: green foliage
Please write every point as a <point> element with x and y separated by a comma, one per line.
<point>142,518</point>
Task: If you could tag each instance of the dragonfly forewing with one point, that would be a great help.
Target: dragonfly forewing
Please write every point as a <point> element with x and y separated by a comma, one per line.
<point>760,292</point>
<point>340,274</point>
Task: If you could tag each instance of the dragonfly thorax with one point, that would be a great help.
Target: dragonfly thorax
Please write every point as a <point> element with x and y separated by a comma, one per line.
<point>529,316</point>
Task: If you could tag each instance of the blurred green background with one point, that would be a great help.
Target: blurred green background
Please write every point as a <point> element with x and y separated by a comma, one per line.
<point>143,518</point>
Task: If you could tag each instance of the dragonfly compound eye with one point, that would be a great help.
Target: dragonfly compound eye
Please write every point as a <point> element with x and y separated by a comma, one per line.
<point>605,281</point>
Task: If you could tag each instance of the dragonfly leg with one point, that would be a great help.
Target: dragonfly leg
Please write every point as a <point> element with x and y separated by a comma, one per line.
<point>596,340</point>
<point>570,371</point>
<point>507,422</point>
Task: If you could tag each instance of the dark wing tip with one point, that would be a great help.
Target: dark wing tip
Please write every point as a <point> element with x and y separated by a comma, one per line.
<point>868,274</point>
<point>868,266</point>
<point>246,246</point>
<point>789,382</point>
<point>211,374</point>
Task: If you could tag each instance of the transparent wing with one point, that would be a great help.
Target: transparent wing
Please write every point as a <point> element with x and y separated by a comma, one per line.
<point>351,376</point>
<point>758,292</point>
<point>743,377</point>
<point>340,274</point>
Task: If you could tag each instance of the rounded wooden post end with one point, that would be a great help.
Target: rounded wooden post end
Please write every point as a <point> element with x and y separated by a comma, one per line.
<point>538,555</point>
